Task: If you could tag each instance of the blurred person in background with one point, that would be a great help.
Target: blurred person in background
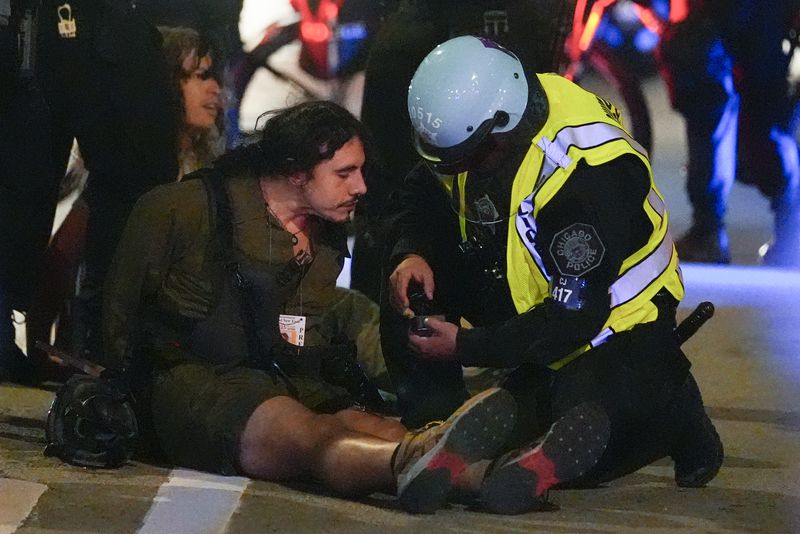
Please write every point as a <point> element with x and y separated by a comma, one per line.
<point>218,22</point>
<point>85,70</point>
<point>197,112</point>
<point>195,81</point>
<point>726,69</point>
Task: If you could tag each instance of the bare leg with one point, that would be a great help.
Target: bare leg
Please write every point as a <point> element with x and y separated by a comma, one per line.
<point>372,425</point>
<point>284,440</point>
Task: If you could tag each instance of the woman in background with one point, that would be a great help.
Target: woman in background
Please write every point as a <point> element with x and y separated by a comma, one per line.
<point>197,97</point>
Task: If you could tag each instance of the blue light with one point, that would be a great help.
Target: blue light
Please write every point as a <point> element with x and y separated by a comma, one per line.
<point>661,7</point>
<point>645,41</point>
<point>758,310</point>
<point>611,34</point>
<point>741,286</point>
<point>353,32</point>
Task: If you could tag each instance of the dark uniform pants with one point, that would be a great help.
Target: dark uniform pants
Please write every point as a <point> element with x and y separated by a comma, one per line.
<point>726,74</point>
<point>107,85</point>
<point>99,76</point>
<point>637,378</point>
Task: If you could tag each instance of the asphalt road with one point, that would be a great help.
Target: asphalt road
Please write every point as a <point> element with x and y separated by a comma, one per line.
<point>745,360</point>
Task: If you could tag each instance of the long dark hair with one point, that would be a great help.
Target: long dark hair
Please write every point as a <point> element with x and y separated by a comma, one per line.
<point>296,139</point>
<point>178,44</point>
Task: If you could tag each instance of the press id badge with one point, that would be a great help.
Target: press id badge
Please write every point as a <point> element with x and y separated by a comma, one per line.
<point>293,329</point>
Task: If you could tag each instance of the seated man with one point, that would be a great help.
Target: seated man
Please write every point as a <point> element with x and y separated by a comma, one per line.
<point>541,226</point>
<point>221,283</point>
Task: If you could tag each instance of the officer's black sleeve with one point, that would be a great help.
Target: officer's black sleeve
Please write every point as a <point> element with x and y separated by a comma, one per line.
<point>599,211</point>
<point>420,220</point>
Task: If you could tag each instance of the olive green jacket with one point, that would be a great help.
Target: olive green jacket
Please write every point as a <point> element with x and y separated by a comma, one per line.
<point>164,261</point>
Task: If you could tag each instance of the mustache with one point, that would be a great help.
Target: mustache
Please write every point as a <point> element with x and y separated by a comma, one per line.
<point>351,202</point>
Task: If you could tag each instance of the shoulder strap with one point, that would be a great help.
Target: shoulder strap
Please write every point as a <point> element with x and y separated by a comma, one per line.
<point>221,224</point>
<point>220,213</point>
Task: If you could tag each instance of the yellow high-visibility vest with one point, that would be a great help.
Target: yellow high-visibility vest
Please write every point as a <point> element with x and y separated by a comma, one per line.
<point>582,126</point>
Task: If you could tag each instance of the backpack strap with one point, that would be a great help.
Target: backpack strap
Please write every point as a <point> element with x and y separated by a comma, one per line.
<point>221,224</point>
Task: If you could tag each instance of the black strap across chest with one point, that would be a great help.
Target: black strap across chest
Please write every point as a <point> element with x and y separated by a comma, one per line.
<point>221,224</point>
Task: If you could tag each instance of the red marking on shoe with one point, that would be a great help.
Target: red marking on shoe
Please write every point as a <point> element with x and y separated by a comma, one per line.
<point>454,463</point>
<point>544,468</point>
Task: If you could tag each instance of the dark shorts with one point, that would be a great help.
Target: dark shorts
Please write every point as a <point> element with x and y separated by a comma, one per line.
<point>200,411</point>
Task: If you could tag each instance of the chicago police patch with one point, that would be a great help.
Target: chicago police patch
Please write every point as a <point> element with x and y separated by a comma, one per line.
<point>577,249</point>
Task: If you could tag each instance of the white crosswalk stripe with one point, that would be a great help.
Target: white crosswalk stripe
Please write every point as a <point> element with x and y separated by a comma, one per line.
<point>17,499</point>
<point>191,501</point>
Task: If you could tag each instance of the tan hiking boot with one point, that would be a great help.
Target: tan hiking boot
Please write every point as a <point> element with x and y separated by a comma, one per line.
<point>428,461</point>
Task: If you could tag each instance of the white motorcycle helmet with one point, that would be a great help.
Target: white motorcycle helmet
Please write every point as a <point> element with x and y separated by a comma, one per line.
<point>464,90</point>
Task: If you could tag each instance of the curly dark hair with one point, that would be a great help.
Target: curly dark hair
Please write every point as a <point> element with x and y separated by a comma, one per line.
<point>296,139</point>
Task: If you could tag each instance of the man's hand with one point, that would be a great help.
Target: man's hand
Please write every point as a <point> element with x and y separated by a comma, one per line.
<point>415,268</point>
<point>440,345</point>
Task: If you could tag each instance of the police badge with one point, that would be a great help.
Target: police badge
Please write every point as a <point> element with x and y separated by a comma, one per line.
<point>577,249</point>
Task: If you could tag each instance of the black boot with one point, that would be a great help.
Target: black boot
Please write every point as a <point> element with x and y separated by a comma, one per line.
<point>697,449</point>
<point>15,366</point>
<point>704,244</point>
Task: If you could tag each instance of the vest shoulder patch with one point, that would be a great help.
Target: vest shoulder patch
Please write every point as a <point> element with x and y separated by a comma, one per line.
<point>577,249</point>
<point>611,111</point>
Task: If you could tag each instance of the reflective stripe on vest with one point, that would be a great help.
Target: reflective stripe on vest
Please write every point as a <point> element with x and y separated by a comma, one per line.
<point>579,128</point>
<point>583,137</point>
<point>638,277</point>
<point>526,230</point>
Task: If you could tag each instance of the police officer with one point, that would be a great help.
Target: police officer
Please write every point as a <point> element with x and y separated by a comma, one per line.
<point>403,41</point>
<point>106,83</point>
<point>103,79</point>
<point>540,225</point>
<point>727,75</point>
<point>27,187</point>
